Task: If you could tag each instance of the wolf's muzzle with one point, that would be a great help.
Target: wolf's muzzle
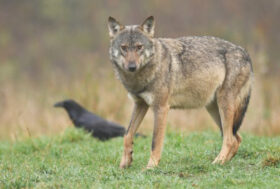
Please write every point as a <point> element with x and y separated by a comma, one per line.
<point>132,66</point>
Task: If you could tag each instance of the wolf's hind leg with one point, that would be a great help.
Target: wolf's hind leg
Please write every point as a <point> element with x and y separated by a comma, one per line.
<point>232,99</point>
<point>240,110</point>
<point>232,110</point>
<point>230,142</point>
<point>213,110</point>
<point>140,110</point>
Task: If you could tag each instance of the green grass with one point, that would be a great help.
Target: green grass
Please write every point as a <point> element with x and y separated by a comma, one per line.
<point>75,160</point>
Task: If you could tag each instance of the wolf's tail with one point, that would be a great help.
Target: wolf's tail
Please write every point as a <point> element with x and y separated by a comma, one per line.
<point>240,112</point>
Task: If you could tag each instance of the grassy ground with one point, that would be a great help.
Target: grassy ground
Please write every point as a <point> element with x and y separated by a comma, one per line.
<point>75,160</point>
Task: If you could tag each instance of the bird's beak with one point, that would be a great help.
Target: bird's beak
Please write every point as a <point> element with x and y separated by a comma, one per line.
<point>58,104</point>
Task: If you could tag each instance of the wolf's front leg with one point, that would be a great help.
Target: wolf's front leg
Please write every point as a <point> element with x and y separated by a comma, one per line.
<point>160,116</point>
<point>140,109</point>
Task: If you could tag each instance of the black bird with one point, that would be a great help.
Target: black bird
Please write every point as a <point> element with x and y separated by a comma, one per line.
<point>82,118</point>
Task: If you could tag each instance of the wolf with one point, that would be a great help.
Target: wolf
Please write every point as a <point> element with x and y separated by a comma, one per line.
<point>179,73</point>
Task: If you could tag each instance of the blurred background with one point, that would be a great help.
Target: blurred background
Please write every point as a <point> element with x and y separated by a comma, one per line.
<point>52,50</point>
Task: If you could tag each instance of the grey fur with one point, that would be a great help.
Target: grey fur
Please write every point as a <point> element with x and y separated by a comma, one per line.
<point>187,72</point>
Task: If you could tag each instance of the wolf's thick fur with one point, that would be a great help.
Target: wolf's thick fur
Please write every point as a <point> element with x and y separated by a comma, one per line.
<point>186,72</point>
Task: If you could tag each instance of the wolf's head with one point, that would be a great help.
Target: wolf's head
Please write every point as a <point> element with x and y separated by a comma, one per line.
<point>132,46</point>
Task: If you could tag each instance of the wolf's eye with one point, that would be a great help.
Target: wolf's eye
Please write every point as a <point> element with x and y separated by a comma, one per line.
<point>124,48</point>
<point>139,47</point>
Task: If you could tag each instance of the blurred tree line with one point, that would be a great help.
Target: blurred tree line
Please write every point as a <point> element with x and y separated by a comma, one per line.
<point>62,35</point>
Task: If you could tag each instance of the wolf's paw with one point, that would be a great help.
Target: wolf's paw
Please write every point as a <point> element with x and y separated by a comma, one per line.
<point>152,163</point>
<point>220,159</point>
<point>126,161</point>
<point>125,164</point>
<point>228,151</point>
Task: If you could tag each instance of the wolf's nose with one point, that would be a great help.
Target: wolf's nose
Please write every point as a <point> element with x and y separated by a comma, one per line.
<point>132,67</point>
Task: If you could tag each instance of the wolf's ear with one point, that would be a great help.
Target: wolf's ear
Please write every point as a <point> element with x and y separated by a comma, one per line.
<point>148,26</point>
<point>114,26</point>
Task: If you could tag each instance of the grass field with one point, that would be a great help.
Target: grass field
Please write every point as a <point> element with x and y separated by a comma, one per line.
<point>75,160</point>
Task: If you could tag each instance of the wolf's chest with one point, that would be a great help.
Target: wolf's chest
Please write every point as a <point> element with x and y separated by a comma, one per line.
<point>148,97</point>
